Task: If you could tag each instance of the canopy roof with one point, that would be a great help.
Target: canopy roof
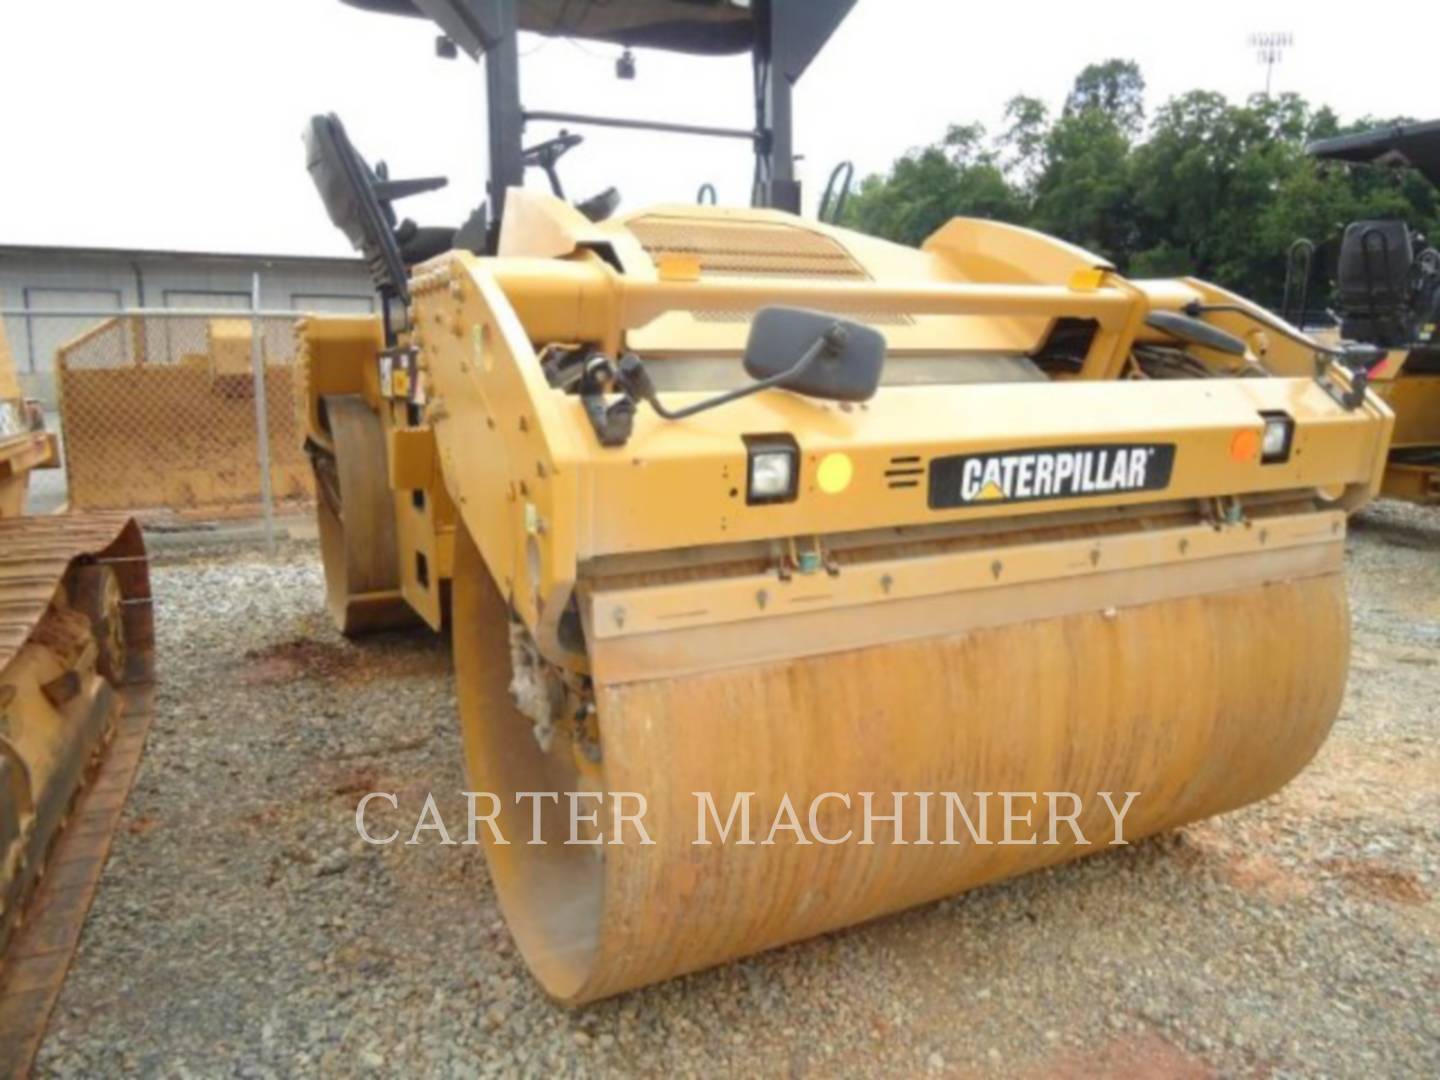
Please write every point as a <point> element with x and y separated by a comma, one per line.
<point>1416,146</point>
<point>692,26</point>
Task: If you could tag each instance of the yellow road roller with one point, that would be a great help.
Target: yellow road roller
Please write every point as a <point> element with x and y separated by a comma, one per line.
<point>75,639</point>
<point>792,573</point>
<point>1387,285</point>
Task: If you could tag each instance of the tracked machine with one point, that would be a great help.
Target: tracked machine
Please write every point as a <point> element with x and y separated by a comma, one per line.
<point>726,501</point>
<point>1387,283</point>
<point>75,648</point>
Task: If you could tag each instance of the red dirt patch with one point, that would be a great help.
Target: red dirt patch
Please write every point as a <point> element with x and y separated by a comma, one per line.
<point>315,658</point>
<point>1263,876</point>
<point>1375,881</point>
<point>301,656</point>
<point>1143,1057</point>
<point>355,781</point>
<point>1351,779</point>
<point>267,815</point>
<point>1207,847</point>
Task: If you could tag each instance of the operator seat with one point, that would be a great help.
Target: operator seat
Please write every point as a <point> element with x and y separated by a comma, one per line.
<point>1375,280</point>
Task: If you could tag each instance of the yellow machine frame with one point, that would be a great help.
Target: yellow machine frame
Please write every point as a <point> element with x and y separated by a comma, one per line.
<point>525,454</point>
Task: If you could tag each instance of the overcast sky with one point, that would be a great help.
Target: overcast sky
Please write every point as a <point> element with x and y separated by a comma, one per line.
<point>176,123</point>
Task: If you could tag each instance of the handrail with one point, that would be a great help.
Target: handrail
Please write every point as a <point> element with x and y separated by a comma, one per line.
<point>1301,256</point>
<point>641,302</point>
<point>630,124</point>
<point>835,199</point>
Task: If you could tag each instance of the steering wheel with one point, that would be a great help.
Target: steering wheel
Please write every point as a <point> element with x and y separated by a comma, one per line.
<point>544,156</point>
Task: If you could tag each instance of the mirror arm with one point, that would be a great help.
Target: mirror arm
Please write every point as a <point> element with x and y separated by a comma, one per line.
<point>630,373</point>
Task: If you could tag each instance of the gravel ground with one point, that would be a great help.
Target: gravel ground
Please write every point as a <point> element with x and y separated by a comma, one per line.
<point>243,930</point>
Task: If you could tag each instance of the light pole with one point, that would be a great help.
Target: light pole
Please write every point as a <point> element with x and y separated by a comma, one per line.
<point>1269,48</point>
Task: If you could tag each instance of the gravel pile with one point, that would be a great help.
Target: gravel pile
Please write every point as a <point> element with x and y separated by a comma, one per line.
<point>242,929</point>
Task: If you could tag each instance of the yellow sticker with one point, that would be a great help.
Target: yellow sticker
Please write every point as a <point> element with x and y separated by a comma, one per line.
<point>675,266</point>
<point>1088,279</point>
<point>835,473</point>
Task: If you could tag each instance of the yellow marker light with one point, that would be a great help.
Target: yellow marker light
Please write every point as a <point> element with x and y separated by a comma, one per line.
<point>835,473</point>
<point>674,267</point>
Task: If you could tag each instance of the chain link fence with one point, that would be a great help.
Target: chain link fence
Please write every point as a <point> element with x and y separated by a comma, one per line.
<point>161,411</point>
<point>164,410</point>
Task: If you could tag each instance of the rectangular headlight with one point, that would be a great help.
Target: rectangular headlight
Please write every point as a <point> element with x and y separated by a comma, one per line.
<point>1279,435</point>
<point>772,469</point>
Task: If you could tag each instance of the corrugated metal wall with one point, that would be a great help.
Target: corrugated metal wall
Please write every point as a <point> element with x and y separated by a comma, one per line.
<point>69,280</point>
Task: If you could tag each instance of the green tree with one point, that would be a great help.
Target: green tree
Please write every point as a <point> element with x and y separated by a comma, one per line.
<point>1084,190</point>
<point>1023,143</point>
<point>1224,190</point>
<point>1215,189</point>
<point>1115,88</point>
<point>927,187</point>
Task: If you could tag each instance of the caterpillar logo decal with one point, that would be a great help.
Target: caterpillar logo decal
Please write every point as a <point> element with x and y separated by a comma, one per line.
<point>1049,472</point>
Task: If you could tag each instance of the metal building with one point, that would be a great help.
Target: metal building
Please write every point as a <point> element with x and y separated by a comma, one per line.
<point>36,280</point>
